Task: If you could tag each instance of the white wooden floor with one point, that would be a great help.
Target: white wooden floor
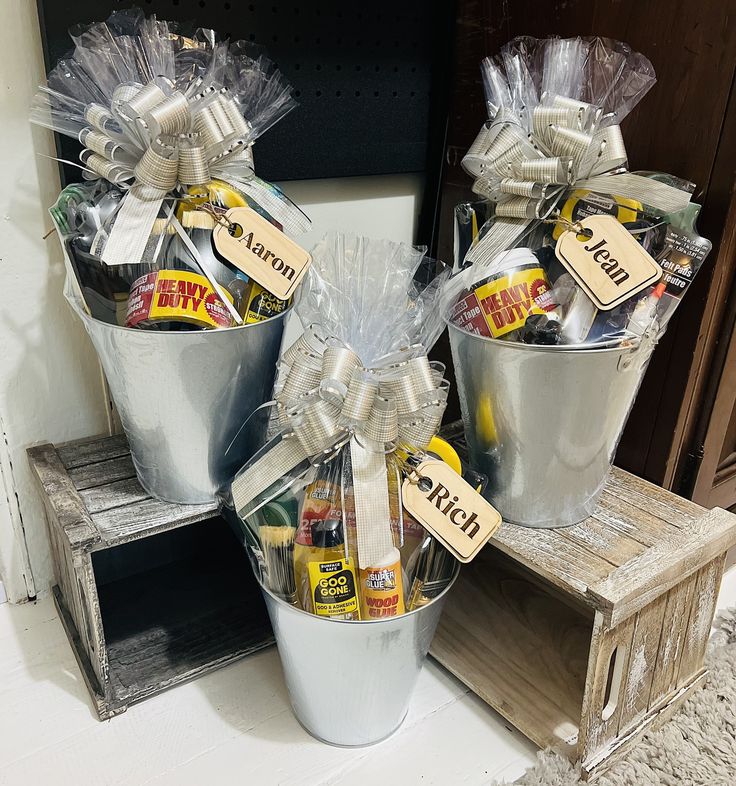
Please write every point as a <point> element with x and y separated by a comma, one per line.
<point>232,726</point>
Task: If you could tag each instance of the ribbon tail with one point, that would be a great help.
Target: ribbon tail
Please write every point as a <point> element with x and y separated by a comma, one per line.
<point>372,512</point>
<point>659,196</point>
<point>273,464</point>
<point>273,200</point>
<point>192,249</point>
<point>162,236</point>
<point>131,231</point>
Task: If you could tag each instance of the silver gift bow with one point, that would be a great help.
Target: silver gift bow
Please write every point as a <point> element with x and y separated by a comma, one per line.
<point>155,140</point>
<point>525,174</point>
<point>327,400</point>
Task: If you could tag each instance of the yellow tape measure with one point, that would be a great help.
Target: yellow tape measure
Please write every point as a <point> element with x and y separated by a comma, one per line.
<point>581,204</point>
<point>443,450</point>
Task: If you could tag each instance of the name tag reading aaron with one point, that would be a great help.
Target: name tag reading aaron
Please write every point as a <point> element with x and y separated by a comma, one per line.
<point>607,262</point>
<point>450,508</point>
<point>262,251</point>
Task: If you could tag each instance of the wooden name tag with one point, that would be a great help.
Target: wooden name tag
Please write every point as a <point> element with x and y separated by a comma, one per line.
<point>451,509</point>
<point>607,262</point>
<point>262,251</point>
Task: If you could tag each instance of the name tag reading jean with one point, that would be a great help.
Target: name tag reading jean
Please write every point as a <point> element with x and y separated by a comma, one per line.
<point>450,508</point>
<point>262,251</point>
<point>607,261</point>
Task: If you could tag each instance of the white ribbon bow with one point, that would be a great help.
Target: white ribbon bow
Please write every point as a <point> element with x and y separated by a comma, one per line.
<point>525,174</point>
<point>329,399</point>
<point>156,140</point>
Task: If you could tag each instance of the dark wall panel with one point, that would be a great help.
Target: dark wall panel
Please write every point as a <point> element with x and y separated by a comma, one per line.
<point>362,72</point>
<point>677,128</point>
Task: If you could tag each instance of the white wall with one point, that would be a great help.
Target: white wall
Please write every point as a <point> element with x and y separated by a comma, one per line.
<point>50,383</point>
<point>382,207</point>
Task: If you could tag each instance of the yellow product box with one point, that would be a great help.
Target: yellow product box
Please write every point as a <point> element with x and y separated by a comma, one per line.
<point>176,296</point>
<point>334,589</point>
<point>500,304</point>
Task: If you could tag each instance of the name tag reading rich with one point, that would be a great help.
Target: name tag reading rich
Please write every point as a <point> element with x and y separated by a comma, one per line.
<point>450,508</point>
<point>607,262</point>
<point>262,251</point>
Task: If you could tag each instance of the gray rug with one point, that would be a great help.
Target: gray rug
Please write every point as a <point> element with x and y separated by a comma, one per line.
<point>696,748</point>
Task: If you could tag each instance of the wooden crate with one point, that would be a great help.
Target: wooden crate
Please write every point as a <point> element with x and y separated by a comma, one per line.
<point>150,593</point>
<point>588,636</point>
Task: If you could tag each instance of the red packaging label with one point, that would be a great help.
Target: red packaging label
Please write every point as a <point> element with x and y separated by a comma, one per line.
<point>468,315</point>
<point>176,295</point>
<point>320,504</point>
<point>501,304</point>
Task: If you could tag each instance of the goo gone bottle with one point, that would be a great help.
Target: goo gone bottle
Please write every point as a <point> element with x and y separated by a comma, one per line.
<point>321,503</point>
<point>382,588</point>
<point>332,586</point>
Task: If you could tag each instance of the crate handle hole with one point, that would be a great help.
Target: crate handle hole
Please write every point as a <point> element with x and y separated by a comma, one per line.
<point>613,682</point>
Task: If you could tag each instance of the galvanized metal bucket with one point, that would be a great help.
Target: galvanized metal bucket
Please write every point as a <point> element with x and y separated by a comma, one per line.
<point>183,397</point>
<point>350,683</point>
<point>543,423</point>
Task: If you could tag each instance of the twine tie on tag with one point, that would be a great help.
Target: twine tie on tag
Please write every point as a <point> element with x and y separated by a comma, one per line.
<point>572,226</point>
<point>525,174</point>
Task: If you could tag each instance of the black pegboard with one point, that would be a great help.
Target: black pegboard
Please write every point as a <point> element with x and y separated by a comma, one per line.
<point>368,76</point>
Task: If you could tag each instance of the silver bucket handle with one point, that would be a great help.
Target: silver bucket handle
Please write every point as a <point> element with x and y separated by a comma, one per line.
<point>641,351</point>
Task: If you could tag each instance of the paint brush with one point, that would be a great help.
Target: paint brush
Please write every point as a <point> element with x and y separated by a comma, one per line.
<point>432,573</point>
<point>276,532</point>
<point>277,544</point>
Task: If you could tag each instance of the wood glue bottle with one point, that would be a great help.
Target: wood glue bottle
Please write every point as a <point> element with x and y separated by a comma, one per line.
<point>382,588</point>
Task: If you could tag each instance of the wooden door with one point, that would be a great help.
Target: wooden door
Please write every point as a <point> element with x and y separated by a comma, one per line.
<point>710,472</point>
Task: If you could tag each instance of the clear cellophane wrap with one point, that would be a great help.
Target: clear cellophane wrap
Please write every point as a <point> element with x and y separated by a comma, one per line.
<point>555,106</point>
<point>356,395</point>
<point>162,113</point>
<point>553,140</point>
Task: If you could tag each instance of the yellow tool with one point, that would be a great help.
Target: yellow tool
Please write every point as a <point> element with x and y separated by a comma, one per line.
<point>443,450</point>
<point>576,207</point>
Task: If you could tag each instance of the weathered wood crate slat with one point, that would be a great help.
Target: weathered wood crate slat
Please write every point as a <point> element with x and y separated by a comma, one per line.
<point>92,451</point>
<point>150,593</point>
<point>586,637</point>
<point>89,476</point>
